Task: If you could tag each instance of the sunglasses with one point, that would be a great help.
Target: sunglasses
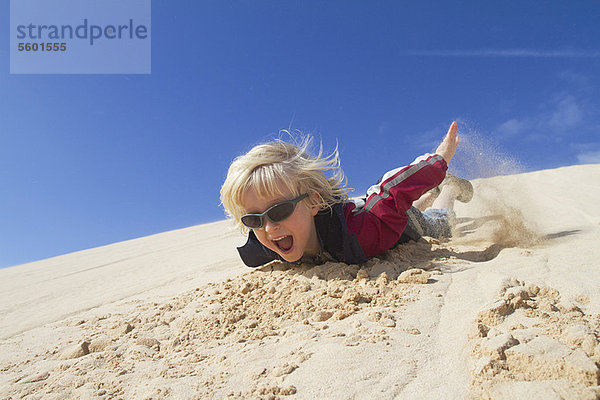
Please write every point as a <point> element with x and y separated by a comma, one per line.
<point>275,213</point>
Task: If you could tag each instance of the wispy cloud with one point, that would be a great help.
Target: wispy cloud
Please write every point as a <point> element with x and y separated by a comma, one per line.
<point>508,53</point>
<point>560,115</point>
<point>512,127</point>
<point>592,157</point>
<point>567,114</point>
<point>573,78</point>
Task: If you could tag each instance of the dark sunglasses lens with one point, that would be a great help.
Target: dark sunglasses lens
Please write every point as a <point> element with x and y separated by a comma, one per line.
<point>281,212</point>
<point>252,221</point>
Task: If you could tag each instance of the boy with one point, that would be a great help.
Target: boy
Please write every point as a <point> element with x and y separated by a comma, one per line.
<point>294,211</point>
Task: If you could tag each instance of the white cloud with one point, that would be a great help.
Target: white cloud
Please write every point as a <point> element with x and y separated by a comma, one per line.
<point>509,53</point>
<point>567,114</point>
<point>511,128</point>
<point>590,157</point>
<point>560,116</point>
<point>574,78</point>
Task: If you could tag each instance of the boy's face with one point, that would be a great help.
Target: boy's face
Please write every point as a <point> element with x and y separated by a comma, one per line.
<point>292,237</point>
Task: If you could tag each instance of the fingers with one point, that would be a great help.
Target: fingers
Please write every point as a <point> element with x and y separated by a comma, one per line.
<point>452,130</point>
<point>453,127</point>
<point>452,134</point>
<point>448,146</point>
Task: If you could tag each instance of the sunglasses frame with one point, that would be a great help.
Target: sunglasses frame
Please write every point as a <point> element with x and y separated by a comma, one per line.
<point>265,214</point>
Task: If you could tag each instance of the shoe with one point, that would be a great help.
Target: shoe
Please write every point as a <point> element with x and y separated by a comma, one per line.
<point>466,188</point>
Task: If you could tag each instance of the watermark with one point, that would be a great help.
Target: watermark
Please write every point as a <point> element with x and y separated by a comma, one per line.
<point>80,37</point>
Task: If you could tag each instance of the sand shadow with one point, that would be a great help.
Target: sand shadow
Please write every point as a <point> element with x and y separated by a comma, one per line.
<point>439,255</point>
<point>487,254</point>
<point>558,235</point>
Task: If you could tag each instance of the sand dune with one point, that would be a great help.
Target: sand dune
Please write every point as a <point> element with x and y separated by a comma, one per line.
<point>508,309</point>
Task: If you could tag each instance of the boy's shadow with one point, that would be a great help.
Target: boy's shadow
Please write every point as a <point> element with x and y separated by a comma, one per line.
<point>467,226</point>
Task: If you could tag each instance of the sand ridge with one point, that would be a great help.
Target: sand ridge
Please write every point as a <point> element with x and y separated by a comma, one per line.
<point>180,342</point>
<point>509,308</point>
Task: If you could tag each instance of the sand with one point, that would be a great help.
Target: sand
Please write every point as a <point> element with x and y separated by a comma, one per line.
<point>507,309</point>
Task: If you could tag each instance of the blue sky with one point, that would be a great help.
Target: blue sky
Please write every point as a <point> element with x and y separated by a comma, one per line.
<point>88,160</point>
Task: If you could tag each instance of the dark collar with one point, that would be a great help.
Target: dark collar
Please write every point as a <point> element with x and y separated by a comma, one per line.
<point>254,254</point>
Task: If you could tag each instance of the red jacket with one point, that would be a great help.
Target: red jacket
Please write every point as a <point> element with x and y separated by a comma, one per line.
<point>379,222</point>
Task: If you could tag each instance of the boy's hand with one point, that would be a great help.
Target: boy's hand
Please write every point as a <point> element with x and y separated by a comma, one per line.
<point>448,146</point>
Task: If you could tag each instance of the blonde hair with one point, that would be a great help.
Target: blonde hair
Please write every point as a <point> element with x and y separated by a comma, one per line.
<point>269,166</point>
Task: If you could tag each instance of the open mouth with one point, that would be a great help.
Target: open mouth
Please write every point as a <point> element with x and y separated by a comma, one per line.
<point>285,243</point>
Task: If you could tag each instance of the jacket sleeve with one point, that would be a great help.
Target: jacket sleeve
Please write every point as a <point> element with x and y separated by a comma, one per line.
<point>379,223</point>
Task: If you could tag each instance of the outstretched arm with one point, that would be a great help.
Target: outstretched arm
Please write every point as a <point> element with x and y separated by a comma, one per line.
<point>448,146</point>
